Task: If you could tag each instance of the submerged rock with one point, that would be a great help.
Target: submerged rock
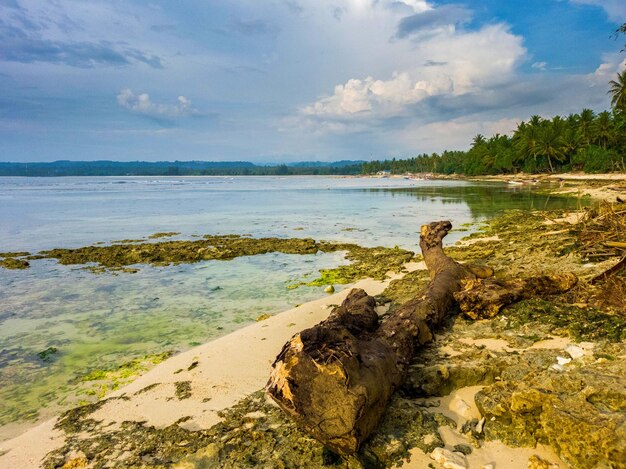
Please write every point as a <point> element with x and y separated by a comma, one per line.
<point>14,264</point>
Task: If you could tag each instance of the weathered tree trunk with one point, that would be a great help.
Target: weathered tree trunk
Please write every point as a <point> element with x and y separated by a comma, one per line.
<point>336,378</point>
<point>483,299</point>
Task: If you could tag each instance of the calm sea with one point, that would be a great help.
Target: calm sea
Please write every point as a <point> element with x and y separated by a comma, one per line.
<point>99,321</point>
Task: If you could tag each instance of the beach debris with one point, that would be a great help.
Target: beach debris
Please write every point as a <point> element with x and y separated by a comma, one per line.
<point>263,317</point>
<point>329,289</point>
<point>574,351</point>
<point>449,459</point>
<point>463,449</point>
<point>480,425</point>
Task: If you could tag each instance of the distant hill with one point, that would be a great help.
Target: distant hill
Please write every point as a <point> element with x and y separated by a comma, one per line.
<point>175,168</point>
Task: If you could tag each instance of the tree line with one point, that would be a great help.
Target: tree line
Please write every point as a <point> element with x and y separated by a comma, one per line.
<point>579,142</point>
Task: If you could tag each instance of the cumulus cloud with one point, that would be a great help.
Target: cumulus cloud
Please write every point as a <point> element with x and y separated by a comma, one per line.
<point>142,104</point>
<point>540,66</point>
<point>453,64</point>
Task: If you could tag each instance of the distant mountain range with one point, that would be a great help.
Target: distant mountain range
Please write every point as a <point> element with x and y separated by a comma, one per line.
<point>176,168</point>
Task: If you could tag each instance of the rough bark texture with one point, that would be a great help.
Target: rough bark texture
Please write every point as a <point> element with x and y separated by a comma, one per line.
<point>483,299</point>
<point>336,378</point>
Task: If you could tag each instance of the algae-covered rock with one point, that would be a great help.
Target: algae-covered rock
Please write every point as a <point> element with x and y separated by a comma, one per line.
<point>14,264</point>
<point>373,262</point>
<point>581,412</point>
<point>163,234</point>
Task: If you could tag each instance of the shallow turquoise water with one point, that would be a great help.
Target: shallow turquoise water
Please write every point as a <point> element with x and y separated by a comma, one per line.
<point>99,321</point>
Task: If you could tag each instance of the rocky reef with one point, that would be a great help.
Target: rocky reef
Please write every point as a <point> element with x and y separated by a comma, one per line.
<point>127,256</point>
<point>14,260</point>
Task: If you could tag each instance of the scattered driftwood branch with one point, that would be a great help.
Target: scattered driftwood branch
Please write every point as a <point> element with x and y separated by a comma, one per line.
<point>615,244</point>
<point>336,378</point>
<point>607,273</point>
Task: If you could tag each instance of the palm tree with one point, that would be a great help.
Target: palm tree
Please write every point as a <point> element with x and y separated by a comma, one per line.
<point>571,137</point>
<point>526,138</point>
<point>618,91</point>
<point>478,140</point>
<point>550,141</point>
<point>585,125</point>
<point>604,129</point>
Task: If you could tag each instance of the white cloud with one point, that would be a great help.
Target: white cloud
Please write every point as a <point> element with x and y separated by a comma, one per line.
<point>142,104</point>
<point>540,66</point>
<point>466,62</point>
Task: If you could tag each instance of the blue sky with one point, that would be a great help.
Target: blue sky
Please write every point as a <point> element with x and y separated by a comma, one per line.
<point>288,80</point>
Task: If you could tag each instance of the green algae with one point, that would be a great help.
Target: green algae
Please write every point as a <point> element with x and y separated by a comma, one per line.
<point>365,262</point>
<point>403,289</point>
<point>581,413</point>
<point>109,379</point>
<point>164,234</point>
<point>14,264</point>
<point>581,324</point>
<point>15,254</point>
<point>148,388</point>
<point>374,263</point>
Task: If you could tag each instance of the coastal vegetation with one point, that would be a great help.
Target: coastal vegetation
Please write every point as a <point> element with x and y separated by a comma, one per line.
<point>586,141</point>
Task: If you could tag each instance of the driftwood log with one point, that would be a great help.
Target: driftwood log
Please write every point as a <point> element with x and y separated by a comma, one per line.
<point>336,378</point>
